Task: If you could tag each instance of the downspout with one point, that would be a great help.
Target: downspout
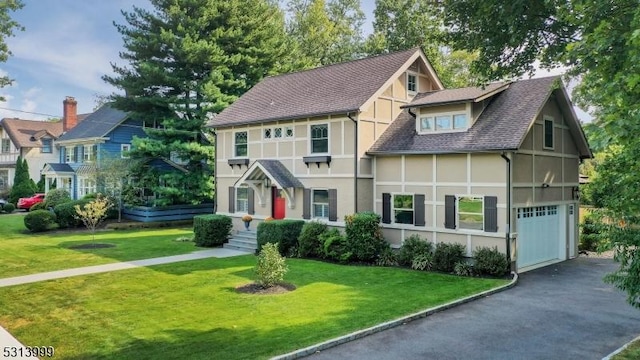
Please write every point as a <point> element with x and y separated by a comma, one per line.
<point>509,210</point>
<point>355,162</point>
<point>215,171</point>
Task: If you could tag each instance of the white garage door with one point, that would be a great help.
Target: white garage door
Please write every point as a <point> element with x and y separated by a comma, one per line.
<point>539,237</point>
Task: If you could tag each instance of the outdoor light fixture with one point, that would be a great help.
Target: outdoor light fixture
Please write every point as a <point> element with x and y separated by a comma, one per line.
<point>575,191</point>
<point>266,183</point>
<point>545,185</point>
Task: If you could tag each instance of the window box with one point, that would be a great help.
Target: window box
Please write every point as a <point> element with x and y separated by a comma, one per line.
<point>239,162</point>
<point>317,159</point>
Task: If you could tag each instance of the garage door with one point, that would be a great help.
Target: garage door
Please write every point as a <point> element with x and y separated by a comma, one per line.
<point>538,235</point>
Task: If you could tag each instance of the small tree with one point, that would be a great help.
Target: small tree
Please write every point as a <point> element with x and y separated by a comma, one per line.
<point>93,213</point>
<point>271,267</point>
<point>23,185</point>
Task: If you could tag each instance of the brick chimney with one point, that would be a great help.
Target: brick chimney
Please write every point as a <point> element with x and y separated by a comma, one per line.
<point>69,113</point>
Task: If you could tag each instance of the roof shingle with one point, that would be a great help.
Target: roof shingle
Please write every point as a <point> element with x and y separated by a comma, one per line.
<point>97,124</point>
<point>455,95</point>
<point>333,89</point>
<point>27,133</point>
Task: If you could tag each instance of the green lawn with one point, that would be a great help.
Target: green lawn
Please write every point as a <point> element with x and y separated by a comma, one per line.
<point>632,352</point>
<point>190,310</point>
<point>23,253</point>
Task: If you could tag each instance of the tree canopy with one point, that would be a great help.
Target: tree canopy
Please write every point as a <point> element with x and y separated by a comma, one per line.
<point>8,27</point>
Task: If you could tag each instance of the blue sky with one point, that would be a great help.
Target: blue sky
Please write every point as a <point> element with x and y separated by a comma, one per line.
<point>66,47</point>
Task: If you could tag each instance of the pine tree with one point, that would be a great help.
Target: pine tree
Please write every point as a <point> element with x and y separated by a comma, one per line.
<point>186,61</point>
<point>23,185</point>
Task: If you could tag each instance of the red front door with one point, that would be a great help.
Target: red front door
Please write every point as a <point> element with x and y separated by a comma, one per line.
<point>279,201</point>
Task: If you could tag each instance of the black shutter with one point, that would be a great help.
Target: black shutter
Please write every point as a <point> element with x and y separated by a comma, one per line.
<point>232,199</point>
<point>251,206</point>
<point>490,214</point>
<point>333,205</point>
<point>386,208</point>
<point>418,210</point>
<point>449,211</point>
<point>306,204</point>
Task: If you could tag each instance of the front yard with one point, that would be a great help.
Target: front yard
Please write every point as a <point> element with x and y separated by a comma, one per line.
<point>191,310</point>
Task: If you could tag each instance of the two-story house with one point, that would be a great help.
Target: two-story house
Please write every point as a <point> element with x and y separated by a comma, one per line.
<point>493,166</point>
<point>33,140</point>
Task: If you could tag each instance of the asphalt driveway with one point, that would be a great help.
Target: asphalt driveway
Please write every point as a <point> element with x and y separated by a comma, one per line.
<point>562,311</point>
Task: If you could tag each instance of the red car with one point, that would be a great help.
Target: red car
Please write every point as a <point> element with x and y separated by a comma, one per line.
<point>27,203</point>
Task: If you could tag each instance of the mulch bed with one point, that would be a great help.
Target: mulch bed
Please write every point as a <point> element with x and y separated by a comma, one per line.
<point>91,246</point>
<point>254,288</point>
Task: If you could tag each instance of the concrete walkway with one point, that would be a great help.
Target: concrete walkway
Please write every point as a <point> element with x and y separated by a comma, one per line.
<point>7,340</point>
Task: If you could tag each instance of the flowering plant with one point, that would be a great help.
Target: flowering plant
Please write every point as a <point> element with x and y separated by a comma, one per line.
<point>247,218</point>
<point>269,218</point>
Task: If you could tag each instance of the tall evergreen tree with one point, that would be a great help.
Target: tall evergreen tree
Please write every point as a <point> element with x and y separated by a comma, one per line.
<point>189,59</point>
<point>23,185</point>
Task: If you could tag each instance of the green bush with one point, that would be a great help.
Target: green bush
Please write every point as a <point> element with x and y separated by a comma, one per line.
<point>211,229</point>
<point>309,244</point>
<point>38,206</point>
<point>66,215</point>
<point>422,261</point>
<point>39,220</point>
<point>90,196</point>
<point>271,267</point>
<point>589,233</point>
<point>490,262</point>
<point>23,190</point>
<point>56,197</point>
<point>412,247</point>
<point>285,233</point>
<point>334,246</point>
<point>8,208</point>
<point>463,268</point>
<point>446,256</point>
<point>364,236</point>
<point>387,258</point>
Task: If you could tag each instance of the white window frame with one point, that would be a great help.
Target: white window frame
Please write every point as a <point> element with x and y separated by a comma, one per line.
<point>415,76</point>
<point>546,119</point>
<point>87,154</point>
<point>394,208</point>
<point>287,130</point>
<point>50,147</point>
<point>124,148</point>
<point>458,212</point>
<point>267,133</point>
<point>451,114</point>
<point>327,124</point>
<point>235,145</point>
<point>4,178</point>
<point>245,202</point>
<point>325,206</point>
<point>86,186</point>
<point>70,155</point>
<point>5,146</point>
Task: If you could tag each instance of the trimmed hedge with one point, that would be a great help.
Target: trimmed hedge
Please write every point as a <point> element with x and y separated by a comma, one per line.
<point>211,230</point>
<point>38,206</point>
<point>39,220</point>
<point>285,233</point>
<point>446,256</point>
<point>412,247</point>
<point>490,262</point>
<point>8,208</point>
<point>66,215</point>
<point>56,197</point>
<point>309,244</point>
<point>334,246</point>
<point>364,236</point>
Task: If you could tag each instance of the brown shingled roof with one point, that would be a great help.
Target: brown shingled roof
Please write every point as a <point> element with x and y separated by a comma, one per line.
<point>27,133</point>
<point>502,126</point>
<point>333,89</point>
<point>450,96</point>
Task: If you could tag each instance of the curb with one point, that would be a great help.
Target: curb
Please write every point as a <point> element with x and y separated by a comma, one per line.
<point>391,324</point>
<point>620,349</point>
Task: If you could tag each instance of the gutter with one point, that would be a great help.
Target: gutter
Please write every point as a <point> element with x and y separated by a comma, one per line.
<point>355,163</point>
<point>509,210</point>
<point>215,171</point>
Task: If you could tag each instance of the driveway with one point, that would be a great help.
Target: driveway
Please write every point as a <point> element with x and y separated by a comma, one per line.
<point>563,311</point>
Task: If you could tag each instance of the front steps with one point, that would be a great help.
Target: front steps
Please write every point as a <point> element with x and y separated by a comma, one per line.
<point>243,240</point>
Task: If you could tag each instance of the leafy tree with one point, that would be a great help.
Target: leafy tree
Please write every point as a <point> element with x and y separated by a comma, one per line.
<point>93,213</point>
<point>326,32</point>
<point>186,61</point>
<point>404,24</point>
<point>8,27</point>
<point>23,185</point>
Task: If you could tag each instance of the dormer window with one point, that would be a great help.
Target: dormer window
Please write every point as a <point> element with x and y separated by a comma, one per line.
<point>443,123</point>
<point>46,146</point>
<point>412,83</point>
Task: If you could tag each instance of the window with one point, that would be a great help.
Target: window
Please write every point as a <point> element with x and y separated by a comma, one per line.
<point>46,146</point>
<point>426,124</point>
<point>241,144</point>
<point>70,154</point>
<point>4,179</point>
<point>277,133</point>
<point>443,122</point>
<point>471,212</point>
<point>86,186</point>
<point>267,134</point>
<point>403,209</point>
<point>320,203</point>
<point>548,133</point>
<point>89,153</point>
<point>412,83</point>
<point>288,131</point>
<point>460,121</point>
<point>320,138</point>
<point>6,146</point>
<point>124,150</point>
<point>242,199</point>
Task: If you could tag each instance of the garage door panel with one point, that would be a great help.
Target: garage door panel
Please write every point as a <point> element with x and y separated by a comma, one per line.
<point>538,235</point>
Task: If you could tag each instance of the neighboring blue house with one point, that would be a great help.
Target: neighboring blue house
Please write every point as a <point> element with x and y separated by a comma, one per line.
<point>106,132</point>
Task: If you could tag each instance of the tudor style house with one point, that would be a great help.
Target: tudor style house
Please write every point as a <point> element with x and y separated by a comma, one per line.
<point>493,166</point>
<point>33,141</point>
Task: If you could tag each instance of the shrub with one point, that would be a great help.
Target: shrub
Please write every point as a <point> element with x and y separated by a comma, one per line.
<point>271,267</point>
<point>90,196</point>
<point>38,206</point>
<point>364,236</point>
<point>387,258</point>
<point>285,233</point>
<point>39,220</point>
<point>22,190</point>
<point>463,268</point>
<point>446,256</point>
<point>66,215</point>
<point>589,233</point>
<point>490,262</point>
<point>422,261</point>
<point>8,208</point>
<point>412,247</point>
<point>56,197</point>
<point>309,244</point>
<point>211,229</point>
<point>334,246</point>
<point>93,213</point>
